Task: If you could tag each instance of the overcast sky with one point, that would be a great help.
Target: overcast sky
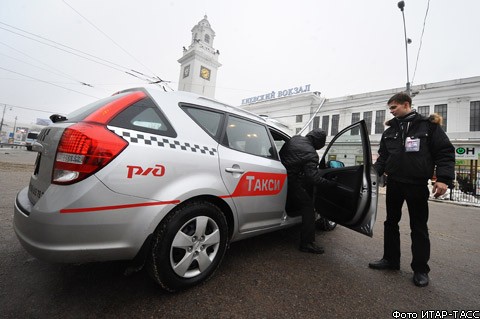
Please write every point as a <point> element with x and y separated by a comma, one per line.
<point>339,47</point>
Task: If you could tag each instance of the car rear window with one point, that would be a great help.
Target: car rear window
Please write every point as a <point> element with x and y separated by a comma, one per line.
<point>144,116</point>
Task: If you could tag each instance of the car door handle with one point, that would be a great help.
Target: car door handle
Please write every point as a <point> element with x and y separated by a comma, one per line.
<point>234,170</point>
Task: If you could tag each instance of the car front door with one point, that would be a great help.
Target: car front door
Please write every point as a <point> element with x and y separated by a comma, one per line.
<point>348,161</point>
<point>253,174</point>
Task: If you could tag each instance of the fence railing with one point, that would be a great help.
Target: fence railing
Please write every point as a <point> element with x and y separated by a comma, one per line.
<point>8,145</point>
<point>459,196</point>
<point>466,190</point>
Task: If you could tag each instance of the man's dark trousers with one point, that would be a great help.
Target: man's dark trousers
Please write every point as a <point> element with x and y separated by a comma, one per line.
<point>416,197</point>
<point>302,201</point>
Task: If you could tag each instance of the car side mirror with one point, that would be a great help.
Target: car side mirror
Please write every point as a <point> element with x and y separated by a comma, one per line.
<point>335,164</point>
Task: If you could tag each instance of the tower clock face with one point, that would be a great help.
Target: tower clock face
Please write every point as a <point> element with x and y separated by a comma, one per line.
<point>186,71</point>
<point>205,73</point>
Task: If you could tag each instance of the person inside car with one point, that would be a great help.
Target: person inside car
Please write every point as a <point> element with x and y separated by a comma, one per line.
<point>300,158</point>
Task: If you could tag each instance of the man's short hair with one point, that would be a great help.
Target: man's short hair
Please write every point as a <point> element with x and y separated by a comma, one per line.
<point>401,98</point>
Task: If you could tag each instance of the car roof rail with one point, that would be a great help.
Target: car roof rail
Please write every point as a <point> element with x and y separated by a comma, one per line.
<point>236,108</point>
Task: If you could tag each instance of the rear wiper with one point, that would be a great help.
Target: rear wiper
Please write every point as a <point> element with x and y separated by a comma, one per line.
<point>57,118</point>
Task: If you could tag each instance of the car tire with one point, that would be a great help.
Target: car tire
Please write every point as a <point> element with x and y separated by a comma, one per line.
<point>325,224</point>
<point>188,246</point>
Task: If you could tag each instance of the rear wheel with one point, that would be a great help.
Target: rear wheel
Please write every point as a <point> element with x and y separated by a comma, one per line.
<point>188,246</point>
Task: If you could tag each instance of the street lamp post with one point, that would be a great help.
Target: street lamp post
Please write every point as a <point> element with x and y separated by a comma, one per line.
<point>14,127</point>
<point>401,6</point>
<point>3,115</point>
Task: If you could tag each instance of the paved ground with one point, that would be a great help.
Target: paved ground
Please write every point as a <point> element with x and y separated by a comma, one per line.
<point>264,277</point>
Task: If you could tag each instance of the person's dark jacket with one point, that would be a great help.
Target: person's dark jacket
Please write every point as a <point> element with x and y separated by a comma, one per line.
<point>300,158</point>
<point>436,152</point>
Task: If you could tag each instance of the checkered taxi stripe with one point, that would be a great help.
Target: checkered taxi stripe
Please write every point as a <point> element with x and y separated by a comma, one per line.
<point>160,141</point>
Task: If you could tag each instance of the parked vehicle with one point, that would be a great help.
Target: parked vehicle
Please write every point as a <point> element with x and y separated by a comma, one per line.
<point>170,179</point>
<point>31,138</point>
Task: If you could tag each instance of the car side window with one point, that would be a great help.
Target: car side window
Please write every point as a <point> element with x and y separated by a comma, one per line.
<point>144,116</point>
<point>279,139</point>
<point>209,120</point>
<point>248,137</point>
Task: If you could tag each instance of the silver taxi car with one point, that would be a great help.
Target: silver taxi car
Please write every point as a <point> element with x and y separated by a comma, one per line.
<point>169,180</point>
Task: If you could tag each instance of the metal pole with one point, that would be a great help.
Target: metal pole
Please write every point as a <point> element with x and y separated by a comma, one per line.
<point>401,5</point>
<point>1,123</point>
<point>14,127</point>
<point>313,116</point>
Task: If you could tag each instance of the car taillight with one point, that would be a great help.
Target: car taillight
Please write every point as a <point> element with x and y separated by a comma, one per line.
<point>84,149</point>
<point>87,146</point>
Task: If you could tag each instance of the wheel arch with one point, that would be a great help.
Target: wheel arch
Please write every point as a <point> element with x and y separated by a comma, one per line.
<point>220,203</point>
<point>161,258</point>
<point>141,256</point>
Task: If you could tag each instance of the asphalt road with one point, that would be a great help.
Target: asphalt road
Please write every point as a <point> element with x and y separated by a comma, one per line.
<point>263,277</point>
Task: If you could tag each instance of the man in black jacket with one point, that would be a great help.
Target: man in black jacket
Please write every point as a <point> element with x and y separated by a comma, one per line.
<point>300,158</point>
<point>411,149</point>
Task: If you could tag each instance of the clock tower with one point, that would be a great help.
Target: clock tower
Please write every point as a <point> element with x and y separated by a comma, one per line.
<point>199,63</point>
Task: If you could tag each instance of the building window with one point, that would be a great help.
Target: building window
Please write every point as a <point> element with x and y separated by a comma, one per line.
<point>355,119</point>
<point>325,122</point>
<point>379,120</point>
<point>207,38</point>
<point>358,159</point>
<point>316,122</point>
<point>424,110</point>
<point>441,110</point>
<point>474,116</point>
<point>299,118</point>
<point>335,120</point>
<point>367,117</point>
<point>297,130</point>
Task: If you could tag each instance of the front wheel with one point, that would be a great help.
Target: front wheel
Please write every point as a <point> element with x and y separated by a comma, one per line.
<point>188,246</point>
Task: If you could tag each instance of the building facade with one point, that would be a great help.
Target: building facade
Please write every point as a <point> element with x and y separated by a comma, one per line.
<point>199,63</point>
<point>457,101</point>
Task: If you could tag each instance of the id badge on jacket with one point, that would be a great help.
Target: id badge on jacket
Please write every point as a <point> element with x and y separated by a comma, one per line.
<point>412,144</point>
